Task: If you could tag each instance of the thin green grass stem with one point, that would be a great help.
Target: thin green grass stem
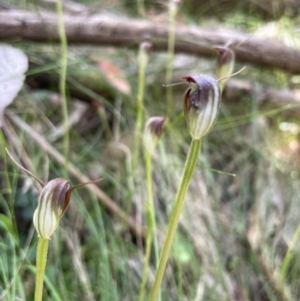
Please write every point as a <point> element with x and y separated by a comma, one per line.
<point>189,168</point>
<point>140,106</point>
<point>289,255</point>
<point>151,228</point>
<point>151,208</point>
<point>173,8</point>
<point>222,85</point>
<point>141,7</point>
<point>62,79</point>
<point>41,259</point>
<point>9,192</point>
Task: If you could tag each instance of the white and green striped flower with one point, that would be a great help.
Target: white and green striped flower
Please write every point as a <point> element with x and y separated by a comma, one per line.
<point>225,61</point>
<point>201,104</point>
<point>53,202</point>
<point>153,132</point>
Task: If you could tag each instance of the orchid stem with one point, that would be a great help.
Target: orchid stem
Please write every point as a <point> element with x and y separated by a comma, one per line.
<point>41,259</point>
<point>173,9</point>
<point>62,79</point>
<point>140,105</point>
<point>189,168</point>
<point>151,227</point>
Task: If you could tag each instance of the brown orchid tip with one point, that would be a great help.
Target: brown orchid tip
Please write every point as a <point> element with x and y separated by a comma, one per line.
<point>153,132</point>
<point>225,55</point>
<point>59,188</point>
<point>220,49</point>
<point>86,183</point>
<point>146,46</point>
<point>156,125</point>
<point>24,169</point>
<point>189,79</point>
<point>70,190</point>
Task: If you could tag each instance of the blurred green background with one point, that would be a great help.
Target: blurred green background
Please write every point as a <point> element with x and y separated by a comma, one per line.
<point>241,213</point>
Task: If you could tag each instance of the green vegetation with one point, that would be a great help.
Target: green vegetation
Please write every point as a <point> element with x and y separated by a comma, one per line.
<point>238,233</point>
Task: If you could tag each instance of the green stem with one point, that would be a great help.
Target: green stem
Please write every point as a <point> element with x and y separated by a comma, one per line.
<point>189,168</point>
<point>140,105</point>
<point>151,212</point>
<point>222,85</point>
<point>41,259</point>
<point>173,8</point>
<point>289,255</point>
<point>8,191</point>
<point>63,76</point>
<point>141,7</point>
<point>151,229</point>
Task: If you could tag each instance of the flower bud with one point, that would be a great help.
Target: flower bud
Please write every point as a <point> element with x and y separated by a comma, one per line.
<point>153,132</point>
<point>53,202</point>
<point>225,61</point>
<point>201,104</point>
<point>144,52</point>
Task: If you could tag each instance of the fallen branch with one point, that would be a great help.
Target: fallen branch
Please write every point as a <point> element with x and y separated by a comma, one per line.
<point>115,31</point>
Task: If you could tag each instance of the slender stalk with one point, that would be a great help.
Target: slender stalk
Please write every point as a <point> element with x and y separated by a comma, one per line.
<point>289,255</point>
<point>173,8</point>
<point>279,289</point>
<point>62,79</point>
<point>41,259</point>
<point>8,191</point>
<point>151,212</point>
<point>140,105</point>
<point>151,227</point>
<point>189,168</point>
<point>141,7</point>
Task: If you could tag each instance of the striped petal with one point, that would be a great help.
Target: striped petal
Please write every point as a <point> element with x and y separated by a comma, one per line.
<point>52,204</point>
<point>153,132</point>
<point>201,104</point>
